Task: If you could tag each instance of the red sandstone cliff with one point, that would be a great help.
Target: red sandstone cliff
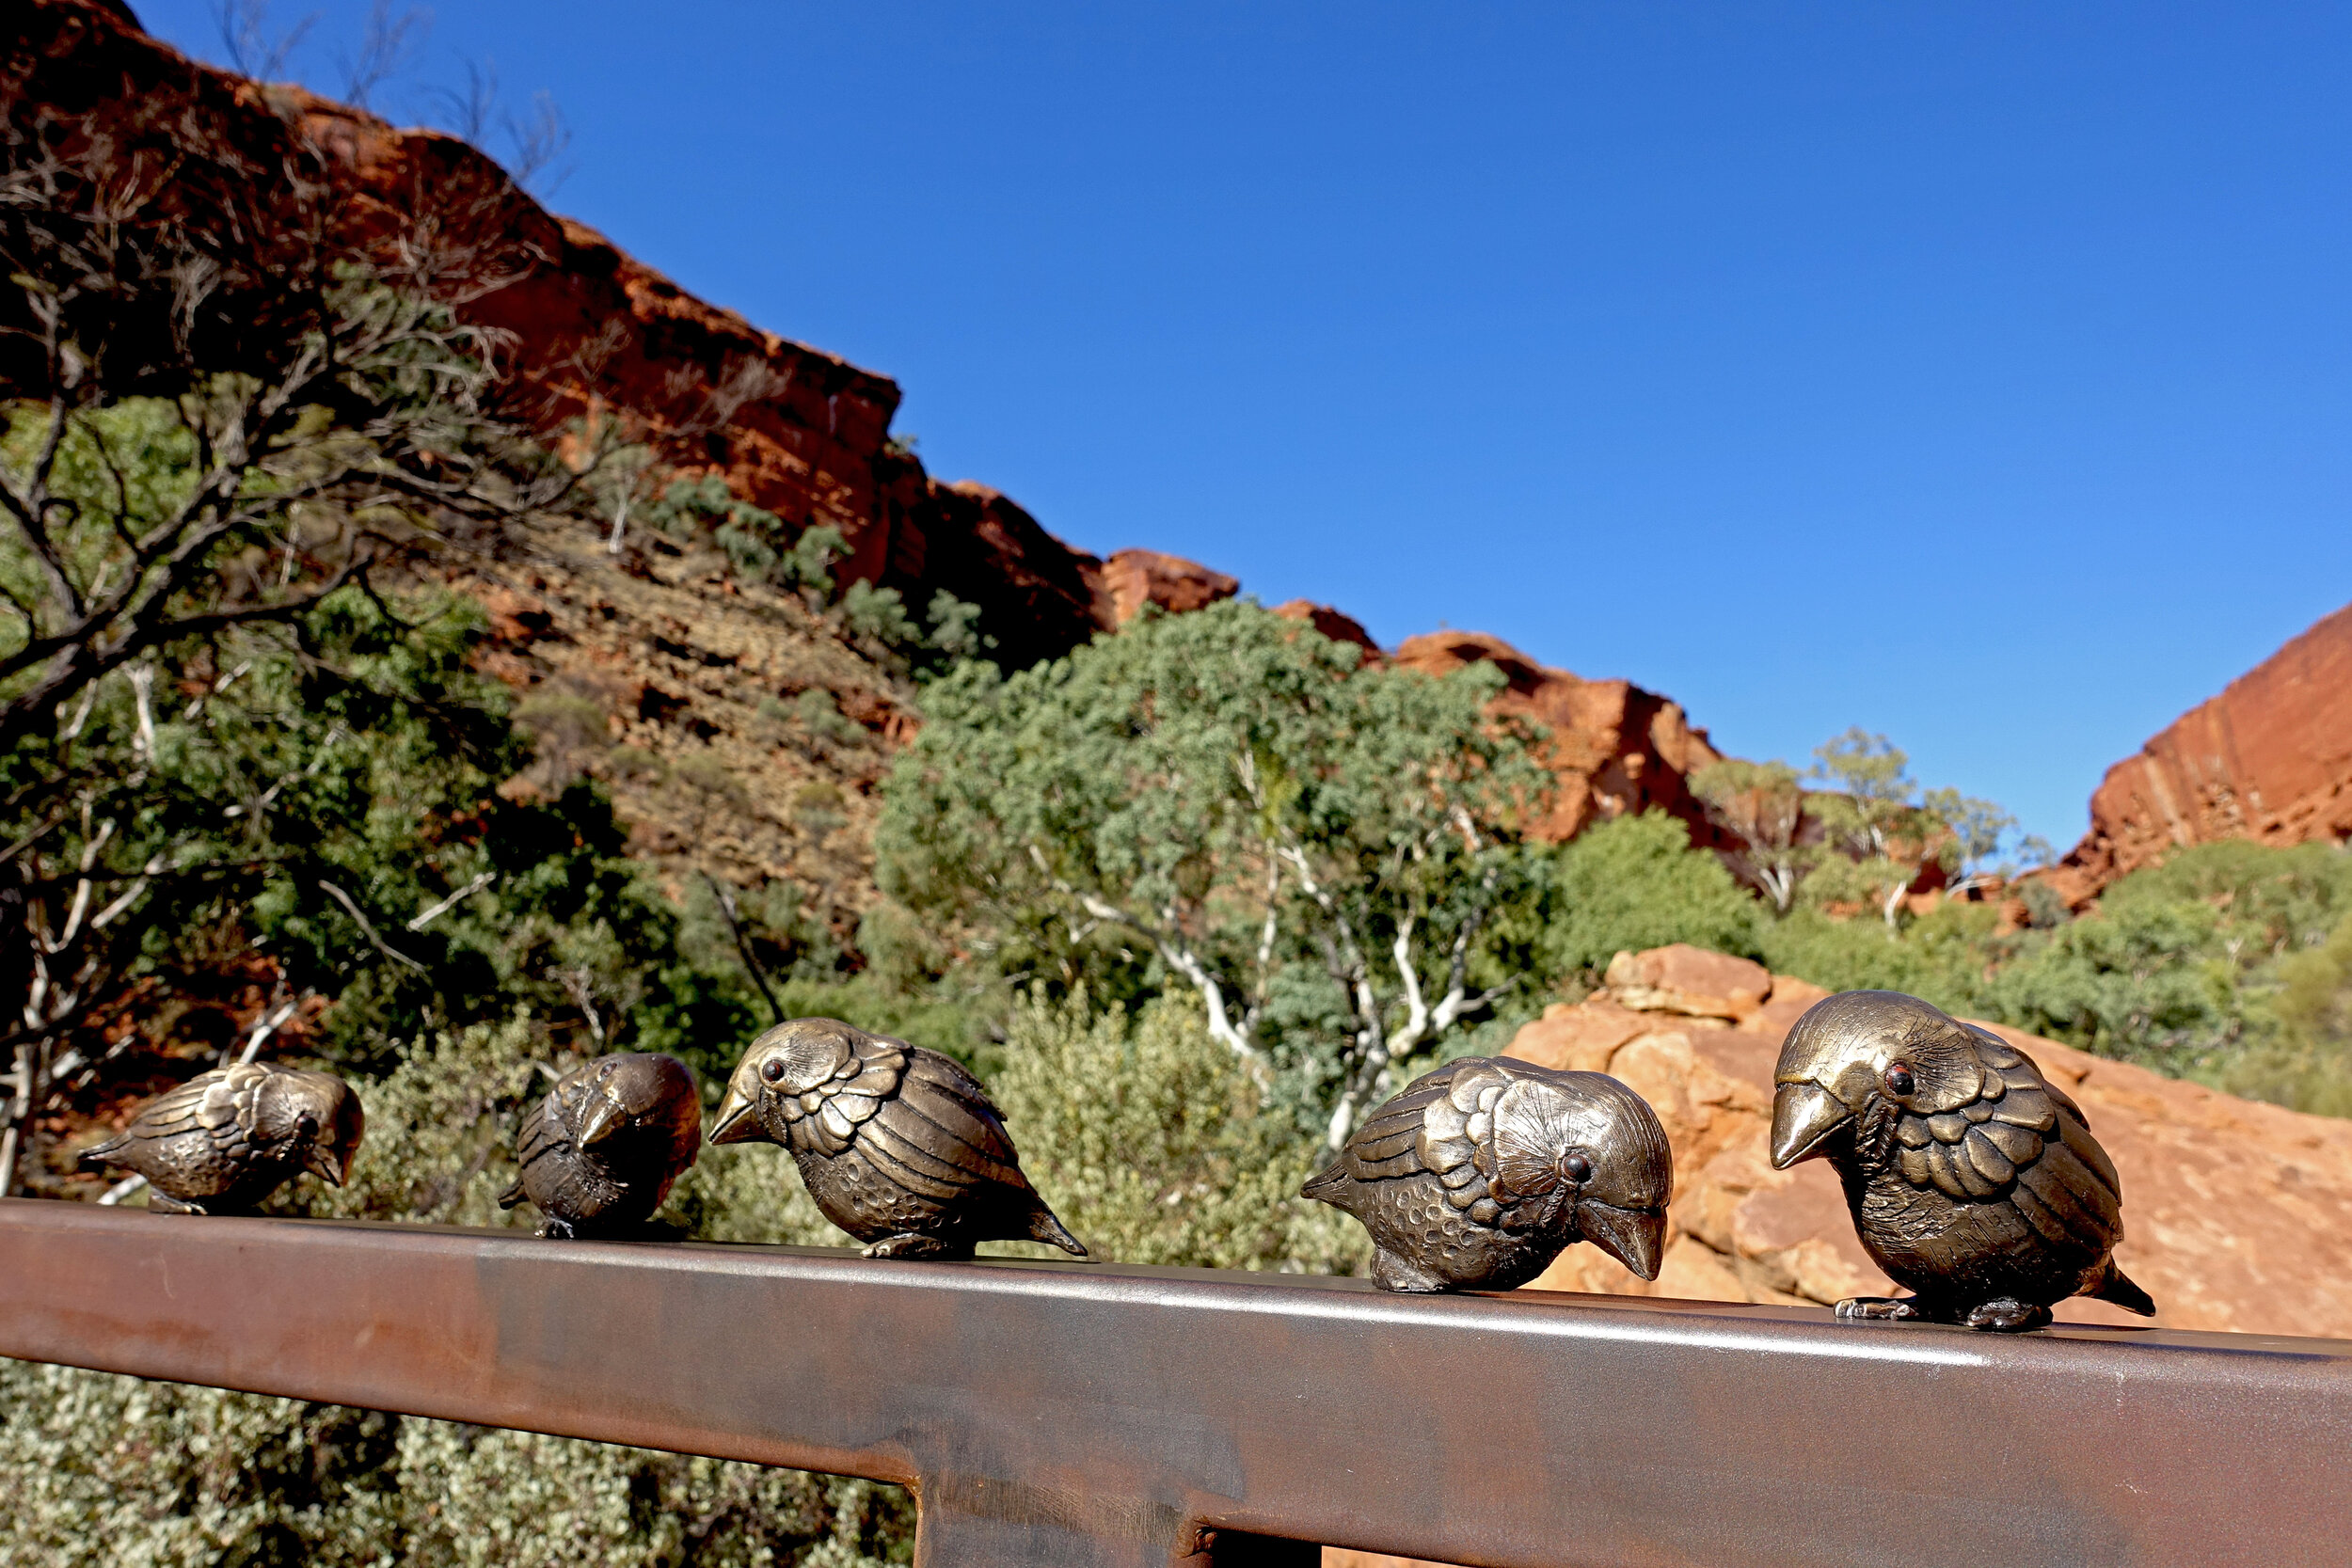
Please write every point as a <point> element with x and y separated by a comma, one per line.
<point>2271,759</point>
<point>594,332</point>
<point>1615,747</point>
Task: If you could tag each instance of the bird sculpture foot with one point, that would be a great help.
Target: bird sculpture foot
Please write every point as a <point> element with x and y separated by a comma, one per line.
<point>2006,1316</point>
<point>1392,1273</point>
<point>908,1244</point>
<point>1880,1310</point>
<point>158,1204</point>
<point>554,1229</point>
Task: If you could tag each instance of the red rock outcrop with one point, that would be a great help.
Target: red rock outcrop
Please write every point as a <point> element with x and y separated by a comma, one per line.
<point>1331,623</point>
<point>2270,760</point>
<point>1133,579</point>
<point>593,333</point>
<point>1615,747</point>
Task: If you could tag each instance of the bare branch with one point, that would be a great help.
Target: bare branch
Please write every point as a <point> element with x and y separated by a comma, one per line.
<point>725,896</point>
<point>353,909</point>
<point>428,916</point>
<point>252,49</point>
<point>385,46</point>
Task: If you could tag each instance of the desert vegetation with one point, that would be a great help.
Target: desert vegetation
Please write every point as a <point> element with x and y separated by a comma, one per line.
<point>1192,897</point>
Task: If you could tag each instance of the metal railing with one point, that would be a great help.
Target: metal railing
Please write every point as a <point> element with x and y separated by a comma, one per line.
<point>1060,1413</point>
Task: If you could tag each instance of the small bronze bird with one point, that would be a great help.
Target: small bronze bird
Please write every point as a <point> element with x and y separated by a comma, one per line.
<point>226,1139</point>
<point>600,1152</point>
<point>898,1146</point>
<point>1483,1171</point>
<point>1974,1182</point>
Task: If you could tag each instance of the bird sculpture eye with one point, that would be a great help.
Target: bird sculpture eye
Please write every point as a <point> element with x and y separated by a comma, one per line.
<point>1577,1168</point>
<point>772,1070</point>
<point>1898,1079</point>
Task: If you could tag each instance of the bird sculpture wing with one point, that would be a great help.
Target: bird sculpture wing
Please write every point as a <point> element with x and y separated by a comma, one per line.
<point>543,1132</point>
<point>923,1120</point>
<point>1445,1124</point>
<point>216,1106</point>
<point>2017,1138</point>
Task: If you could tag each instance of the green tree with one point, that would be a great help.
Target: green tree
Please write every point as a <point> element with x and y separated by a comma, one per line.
<point>1221,802</point>
<point>1762,805</point>
<point>1630,883</point>
<point>1887,832</point>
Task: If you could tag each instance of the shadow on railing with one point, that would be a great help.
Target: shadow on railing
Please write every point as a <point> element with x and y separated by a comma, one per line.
<point>1059,1414</point>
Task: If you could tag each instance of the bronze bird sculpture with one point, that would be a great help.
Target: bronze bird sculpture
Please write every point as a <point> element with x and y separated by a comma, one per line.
<point>226,1139</point>
<point>1974,1182</point>
<point>1482,1172</point>
<point>599,1153</point>
<point>900,1145</point>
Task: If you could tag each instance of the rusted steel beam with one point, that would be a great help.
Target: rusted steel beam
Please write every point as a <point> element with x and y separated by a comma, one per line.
<point>1067,1415</point>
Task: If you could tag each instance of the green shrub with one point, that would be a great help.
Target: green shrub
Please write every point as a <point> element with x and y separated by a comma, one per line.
<point>1635,882</point>
<point>2303,1060</point>
<point>1151,1141</point>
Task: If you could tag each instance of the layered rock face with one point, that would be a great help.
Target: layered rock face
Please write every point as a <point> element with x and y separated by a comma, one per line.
<point>592,333</point>
<point>2237,1215</point>
<point>2271,759</point>
<point>1615,747</point>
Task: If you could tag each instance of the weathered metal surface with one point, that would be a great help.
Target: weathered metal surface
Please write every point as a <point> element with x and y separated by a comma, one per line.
<point>1060,1413</point>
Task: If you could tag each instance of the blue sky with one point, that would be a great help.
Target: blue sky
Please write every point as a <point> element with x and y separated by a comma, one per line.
<point>1974,374</point>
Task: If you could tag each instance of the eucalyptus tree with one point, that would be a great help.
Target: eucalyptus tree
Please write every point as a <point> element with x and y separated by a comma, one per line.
<point>1225,804</point>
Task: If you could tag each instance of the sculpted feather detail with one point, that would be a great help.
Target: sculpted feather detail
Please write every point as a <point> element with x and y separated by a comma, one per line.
<point>1482,1172</point>
<point>226,1139</point>
<point>900,1147</point>
<point>1973,1179</point>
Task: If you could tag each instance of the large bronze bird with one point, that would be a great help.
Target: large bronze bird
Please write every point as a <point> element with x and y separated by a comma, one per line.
<point>1483,1171</point>
<point>599,1153</point>
<point>1974,1182</point>
<point>898,1146</point>
<point>225,1140</point>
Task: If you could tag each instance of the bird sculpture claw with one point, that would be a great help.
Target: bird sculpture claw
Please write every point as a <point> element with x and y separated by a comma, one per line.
<point>1880,1310</point>
<point>2009,1317</point>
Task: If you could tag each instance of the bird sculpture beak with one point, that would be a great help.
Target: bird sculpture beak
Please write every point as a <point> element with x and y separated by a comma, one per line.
<point>735,1123</point>
<point>1634,1237</point>
<point>604,1118</point>
<point>1803,1117</point>
<point>320,1161</point>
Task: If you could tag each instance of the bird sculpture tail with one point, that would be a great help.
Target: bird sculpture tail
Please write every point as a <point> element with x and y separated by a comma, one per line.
<point>1044,1227</point>
<point>2116,1286</point>
<point>513,1196</point>
<point>98,1156</point>
<point>1327,1184</point>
